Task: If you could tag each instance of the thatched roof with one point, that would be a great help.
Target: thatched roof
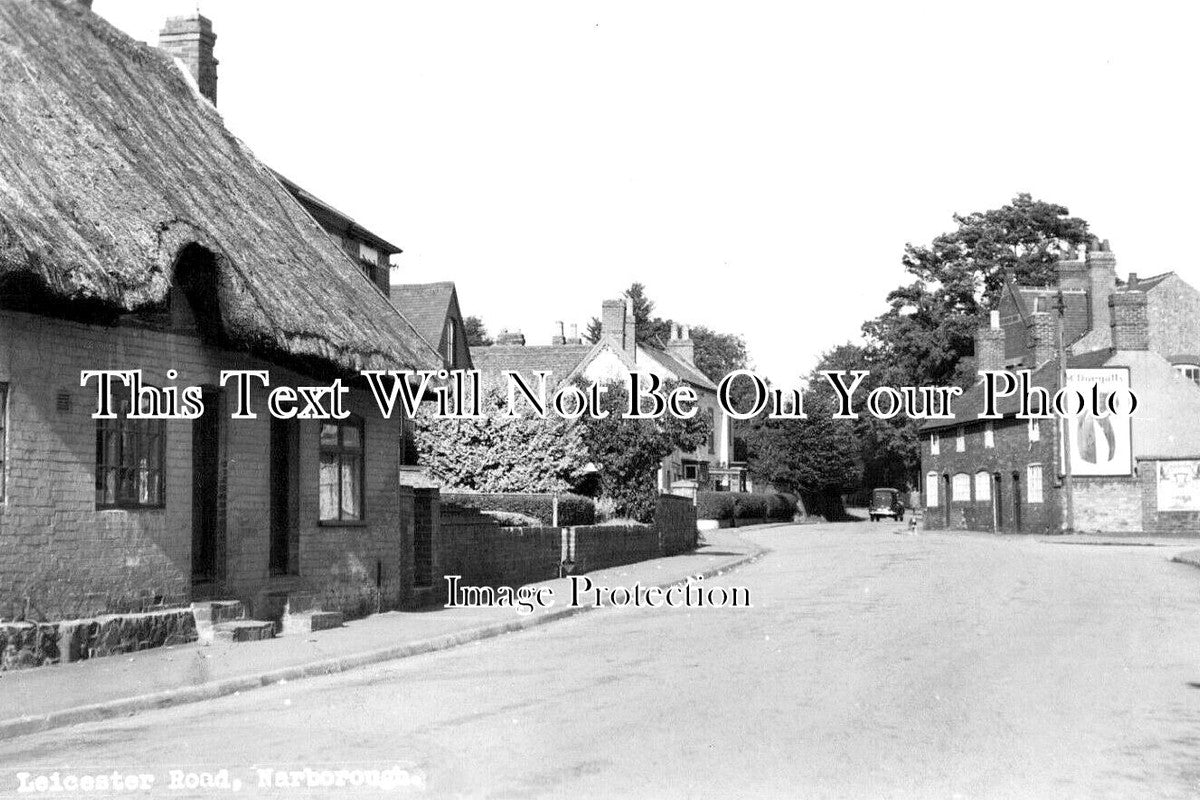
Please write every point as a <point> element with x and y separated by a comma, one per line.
<point>111,164</point>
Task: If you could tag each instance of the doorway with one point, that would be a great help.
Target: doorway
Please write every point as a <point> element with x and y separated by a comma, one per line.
<point>946,501</point>
<point>997,503</point>
<point>285,528</point>
<point>1016,501</point>
<point>206,479</point>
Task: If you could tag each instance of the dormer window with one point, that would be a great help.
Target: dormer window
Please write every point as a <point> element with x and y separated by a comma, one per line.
<point>1041,305</point>
<point>368,254</point>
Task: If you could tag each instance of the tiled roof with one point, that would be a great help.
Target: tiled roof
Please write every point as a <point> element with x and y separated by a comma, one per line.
<point>685,372</point>
<point>425,305</point>
<point>559,360</point>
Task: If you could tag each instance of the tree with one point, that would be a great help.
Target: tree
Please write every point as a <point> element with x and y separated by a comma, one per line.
<point>927,335</point>
<point>718,354</point>
<point>499,453</point>
<point>816,455</point>
<point>477,335</point>
<point>629,452</point>
<point>594,330</point>
<point>650,330</point>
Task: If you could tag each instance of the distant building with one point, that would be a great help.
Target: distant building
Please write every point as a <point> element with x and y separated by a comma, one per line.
<point>614,357</point>
<point>1140,475</point>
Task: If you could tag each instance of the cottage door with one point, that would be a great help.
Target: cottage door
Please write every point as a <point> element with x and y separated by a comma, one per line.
<point>1016,501</point>
<point>206,461</point>
<point>285,531</point>
<point>946,501</point>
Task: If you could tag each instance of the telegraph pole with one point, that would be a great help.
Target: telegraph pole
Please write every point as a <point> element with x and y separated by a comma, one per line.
<point>1064,424</point>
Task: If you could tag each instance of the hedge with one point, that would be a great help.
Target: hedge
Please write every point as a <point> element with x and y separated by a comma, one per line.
<point>744,505</point>
<point>573,509</point>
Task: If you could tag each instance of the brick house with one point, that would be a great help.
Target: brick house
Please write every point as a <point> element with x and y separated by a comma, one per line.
<point>1008,474</point>
<point>614,357</point>
<point>136,232</point>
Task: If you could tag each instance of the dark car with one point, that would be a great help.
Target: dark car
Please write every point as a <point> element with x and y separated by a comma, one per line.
<point>886,503</point>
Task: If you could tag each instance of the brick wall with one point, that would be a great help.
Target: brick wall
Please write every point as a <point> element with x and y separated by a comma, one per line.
<point>1012,453</point>
<point>79,560</point>
<point>473,545</point>
<point>1173,313</point>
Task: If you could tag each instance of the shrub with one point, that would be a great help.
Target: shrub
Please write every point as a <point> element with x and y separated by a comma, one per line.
<point>744,505</point>
<point>573,509</point>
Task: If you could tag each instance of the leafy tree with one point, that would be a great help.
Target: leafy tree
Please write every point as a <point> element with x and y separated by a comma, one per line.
<point>594,329</point>
<point>927,335</point>
<point>650,330</point>
<point>477,335</point>
<point>718,354</point>
<point>817,455</point>
<point>630,451</point>
<point>501,454</point>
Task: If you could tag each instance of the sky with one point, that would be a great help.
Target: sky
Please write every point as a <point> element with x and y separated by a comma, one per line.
<point>758,166</point>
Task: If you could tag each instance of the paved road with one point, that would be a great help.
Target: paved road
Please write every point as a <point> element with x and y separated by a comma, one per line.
<point>871,665</point>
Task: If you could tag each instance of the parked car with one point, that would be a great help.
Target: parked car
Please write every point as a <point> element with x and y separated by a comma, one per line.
<point>886,503</point>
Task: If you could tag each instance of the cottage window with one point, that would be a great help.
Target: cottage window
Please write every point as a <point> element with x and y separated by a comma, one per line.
<point>3,440</point>
<point>409,455</point>
<point>983,486</point>
<point>961,488</point>
<point>712,430</point>
<point>931,490</point>
<point>935,444</point>
<point>1041,305</point>
<point>989,435</point>
<point>129,459</point>
<point>1035,430</point>
<point>1189,371</point>
<point>342,458</point>
<point>1033,483</point>
<point>960,440</point>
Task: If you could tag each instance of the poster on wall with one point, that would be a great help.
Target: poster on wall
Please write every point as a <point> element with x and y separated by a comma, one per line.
<point>1100,444</point>
<point>1179,486</point>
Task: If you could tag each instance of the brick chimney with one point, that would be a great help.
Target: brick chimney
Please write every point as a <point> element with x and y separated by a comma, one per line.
<point>1042,338</point>
<point>989,344</point>
<point>510,337</point>
<point>1102,281</point>
<point>191,40</point>
<point>681,345</point>
<point>1130,325</point>
<point>574,338</point>
<point>559,338</point>
<point>612,321</point>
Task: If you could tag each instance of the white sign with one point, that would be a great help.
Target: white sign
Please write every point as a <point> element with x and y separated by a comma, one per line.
<point>1179,486</point>
<point>1101,444</point>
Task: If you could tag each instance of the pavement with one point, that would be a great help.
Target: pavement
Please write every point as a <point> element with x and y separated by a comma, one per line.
<point>67,694</point>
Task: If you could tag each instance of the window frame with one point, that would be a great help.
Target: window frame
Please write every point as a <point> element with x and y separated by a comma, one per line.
<point>989,434</point>
<point>983,486</point>
<point>451,335</point>
<point>931,489</point>
<point>935,444</point>
<point>962,487</point>
<point>342,451</point>
<point>1188,371</point>
<point>1030,471</point>
<point>1035,430</point>
<point>124,430</point>
<point>960,439</point>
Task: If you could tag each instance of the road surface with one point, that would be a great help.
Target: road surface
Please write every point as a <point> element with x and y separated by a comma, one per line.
<point>871,665</point>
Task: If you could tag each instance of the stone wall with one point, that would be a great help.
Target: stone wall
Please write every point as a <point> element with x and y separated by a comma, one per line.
<point>31,644</point>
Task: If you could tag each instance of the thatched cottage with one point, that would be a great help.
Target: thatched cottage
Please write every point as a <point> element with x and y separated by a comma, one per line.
<point>136,232</point>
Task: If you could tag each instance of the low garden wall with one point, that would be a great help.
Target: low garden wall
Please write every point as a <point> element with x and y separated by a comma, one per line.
<point>35,644</point>
<point>573,509</point>
<point>486,553</point>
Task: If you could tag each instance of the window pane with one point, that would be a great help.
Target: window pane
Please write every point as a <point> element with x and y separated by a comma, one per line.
<point>351,488</point>
<point>983,486</point>
<point>328,489</point>
<point>351,437</point>
<point>329,435</point>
